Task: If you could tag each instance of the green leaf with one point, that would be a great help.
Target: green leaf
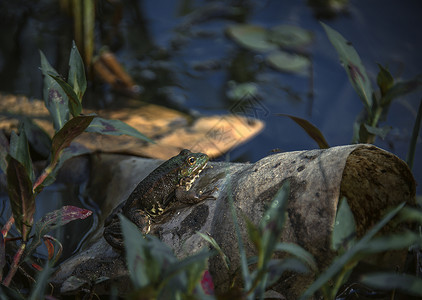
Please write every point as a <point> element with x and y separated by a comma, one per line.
<point>76,77</point>
<point>75,106</point>
<point>67,134</point>
<point>344,230</point>
<point>381,132</point>
<point>272,222</point>
<point>254,234</point>
<point>409,214</point>
<point>310,129</point>
<point>37,137</point>
<point>74,149</point>
<point>384,80</point>
<point>290,36</point>
<point>22,200</point>
<point>299,253</point>
<point>408,284</point>
<point>340,262</point>
<point>252,37</point>
<point>353,65</point>
<point>214,243</point>
<point>4,150</point>
<point>43,277</point>
<point>115,127</point>
<point>55,98</point>
<point>19,150</point>
<point>54,220</point>
<point>276,268</point>
<point>415,134</point>
<point>288,62</point>
<point>392,242</point>
<point>400,89</point>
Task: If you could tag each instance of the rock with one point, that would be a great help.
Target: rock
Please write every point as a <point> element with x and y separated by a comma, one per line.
<point>372,179</point>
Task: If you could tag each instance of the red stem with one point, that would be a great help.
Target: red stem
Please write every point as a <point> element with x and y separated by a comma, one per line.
<point>15,265</point>
<point>7,226</point>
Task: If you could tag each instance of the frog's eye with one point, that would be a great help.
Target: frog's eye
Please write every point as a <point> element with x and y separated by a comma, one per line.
<point>191,160</point>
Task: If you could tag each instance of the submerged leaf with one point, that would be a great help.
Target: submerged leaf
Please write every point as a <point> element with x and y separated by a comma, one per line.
<point>252,37</point>
<point>290,36</point>
<point>37,137</point>
<point>353,65</point>
<point>22,200</point>
<point>311,130</point>
<point>4,150</point>
<point>115,127</point>
<point>288,62</point>
<point>19,150</point>
<point>415,134</point>
<point>381,132</point>
<point>400,89</point>
<point>55,98</point>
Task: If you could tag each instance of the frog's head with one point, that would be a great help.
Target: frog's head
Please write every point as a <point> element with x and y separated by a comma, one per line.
<point>191,164</point>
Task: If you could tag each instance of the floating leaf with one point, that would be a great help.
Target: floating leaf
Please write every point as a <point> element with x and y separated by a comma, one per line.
<point>252,37</point>
<point>311,130</point>
<point>408,284</point>
<point>37,137</point>
<point>55,98</point>
<point>75,106</point>
<point>344,230</point>
<point>55,219</point>
<point>115,127</point>
<point>353,65</point>
<point>76,77</point>
<point>384,80</point>
<point>290,36</point>
<point>22,200</point>
<point>288,62</point>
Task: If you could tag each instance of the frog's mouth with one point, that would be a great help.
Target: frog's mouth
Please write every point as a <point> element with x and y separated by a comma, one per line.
<point>188,181</point>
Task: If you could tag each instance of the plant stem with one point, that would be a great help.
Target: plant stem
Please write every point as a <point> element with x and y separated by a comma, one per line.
<point>7,226</point>
<point>15,265</point>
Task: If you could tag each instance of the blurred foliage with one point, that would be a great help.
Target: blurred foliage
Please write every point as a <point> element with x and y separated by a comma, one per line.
<point>63,99</point>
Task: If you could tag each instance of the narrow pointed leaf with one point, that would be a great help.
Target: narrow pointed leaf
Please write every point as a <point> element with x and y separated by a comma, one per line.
<point>75,105</point>
<point>339,263</point>
<point>115,127</point>
<point>42,280</point>
<point>55,98</point>
<point>22,200</point>
<point>54,220</point>
<point>344,229</point>
<point>384,80</point>
<point>299,253</point>
<point>76,77</point>
<point>37,137</point>
<point>311,130</point>
<point>217,247</point>
<point>67,134</point>
<point>19,150</point>
<point>378,131</point>
<point>2,255</point>
<point>400,89</point>
<point>408,284</point>
<point>353,65</point>
<point>4,150</point>
<point>415,134</point>
<point>393,242</point>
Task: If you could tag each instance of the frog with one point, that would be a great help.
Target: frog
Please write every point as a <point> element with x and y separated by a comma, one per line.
<point>169,183</point>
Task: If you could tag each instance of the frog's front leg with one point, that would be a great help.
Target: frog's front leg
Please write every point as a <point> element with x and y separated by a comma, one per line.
<point>113,232</point>
<point>190,197</point>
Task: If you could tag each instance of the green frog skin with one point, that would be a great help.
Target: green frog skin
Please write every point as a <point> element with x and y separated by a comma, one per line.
<point>168,183</point>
